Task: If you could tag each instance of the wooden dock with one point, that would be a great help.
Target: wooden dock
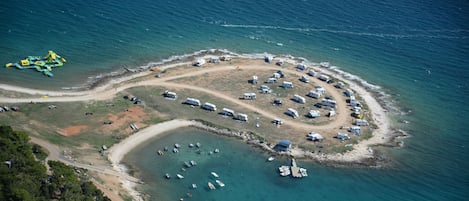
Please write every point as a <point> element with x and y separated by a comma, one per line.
<point>295,170</point>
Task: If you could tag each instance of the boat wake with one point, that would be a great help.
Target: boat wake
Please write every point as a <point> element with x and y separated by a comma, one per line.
<point>411,33</point>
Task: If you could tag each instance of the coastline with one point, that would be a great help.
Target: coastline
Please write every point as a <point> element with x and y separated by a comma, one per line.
<point>361,151</point>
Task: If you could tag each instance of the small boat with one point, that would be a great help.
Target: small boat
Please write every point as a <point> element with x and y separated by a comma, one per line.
<point>193,163</point>
<point>177,145</point>
<point>214,174</point>
<point>270,159</point>
<point>165,149</point>
<point>284,170</point>
<point>191,145</point>
<point>211,186</point>
<point>175,150</point>
<point>216,151</point>
<point>167,176</point>
<point>180,176</point>
<point>221,184</point>
<point>303,172</point>
<point>160,152</point>
<point>197,144</point>
<point>194,186</point>
<point>187,164</point>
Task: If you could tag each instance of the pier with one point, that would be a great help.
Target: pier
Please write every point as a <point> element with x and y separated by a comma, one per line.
<point>295,170</point>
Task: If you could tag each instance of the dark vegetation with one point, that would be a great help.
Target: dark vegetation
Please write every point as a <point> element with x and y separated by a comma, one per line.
<point>24,178</point>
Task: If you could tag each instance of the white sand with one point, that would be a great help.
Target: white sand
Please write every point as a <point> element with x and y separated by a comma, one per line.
<point>118,151</point>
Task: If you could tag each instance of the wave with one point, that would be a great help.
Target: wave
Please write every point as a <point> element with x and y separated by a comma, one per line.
<point>424,34</point>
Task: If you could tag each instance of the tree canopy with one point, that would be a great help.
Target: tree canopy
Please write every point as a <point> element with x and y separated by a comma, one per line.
<point>24,178</point>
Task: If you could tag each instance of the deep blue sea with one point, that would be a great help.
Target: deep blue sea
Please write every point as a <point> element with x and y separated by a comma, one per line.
<point>417,51</point>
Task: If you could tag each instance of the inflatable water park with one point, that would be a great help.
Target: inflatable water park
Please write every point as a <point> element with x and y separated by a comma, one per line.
<point>41,64</point>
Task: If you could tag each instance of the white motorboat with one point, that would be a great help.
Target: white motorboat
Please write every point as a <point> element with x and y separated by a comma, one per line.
<point>221,184</point>
<point>211,186</point>
<point>167,176</point>
<point>194,186</point>
<point>214,174</point>
<point>193,163</point>
<point>216,151</point>
<point>180,176</point>
<point>284,170</point>
<point>270,159</point>
<point>303,172</point>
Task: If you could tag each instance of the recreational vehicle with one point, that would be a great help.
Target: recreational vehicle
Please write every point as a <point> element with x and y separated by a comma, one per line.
<point>348,92</point>
<point>355,130</point>
<point>271,80</point>
<point>299,99</point>
<point>292,112</point>
<point>304,79</point>
<point>312,73</point>
<point>276,75</point>
<point>193,101</point>
<point>170,94</point>
<point>242,117</point>
<point>209,106</point>
<point>266,89</point>
<point>314,94</point>
<point>331,113</point>
<point>361,122</point>
<point>324,78</point>
<point>315,136</point>
<point>314,114</point>
<point>342,136</point>
<point>249,96</point>
<point>214,60</point>
<point>329,102</point>
<point>301,67</point>
<point>320,89</point>
<point>287,85</point>
<point>227,112</point>
<point>199,62</point>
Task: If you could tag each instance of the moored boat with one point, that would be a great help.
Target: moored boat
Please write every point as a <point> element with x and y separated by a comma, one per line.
<point>160,152</point>
<point>214,174</point>
<point>221,184</point>
<point>303,172</point>
<point>211,186</point>
<point>167,176</point>
<point>193,163</point>
<point>194,186</point>
<point>284,170</point>
<point>270,159</point>
<point>180,176</point>
<point>187,164</point>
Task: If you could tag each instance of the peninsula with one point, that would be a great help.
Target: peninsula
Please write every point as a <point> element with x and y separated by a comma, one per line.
<point>323,113</point>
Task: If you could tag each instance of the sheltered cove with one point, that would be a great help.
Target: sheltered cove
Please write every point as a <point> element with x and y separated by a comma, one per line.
<point>359,154</point>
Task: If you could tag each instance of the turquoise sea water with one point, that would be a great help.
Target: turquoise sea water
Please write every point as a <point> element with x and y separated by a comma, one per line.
<point>416,51</point>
